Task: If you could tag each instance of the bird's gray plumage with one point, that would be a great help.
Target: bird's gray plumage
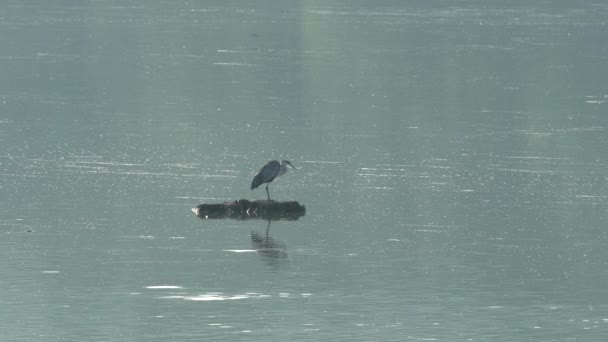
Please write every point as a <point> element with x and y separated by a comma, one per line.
<point>269,172</point>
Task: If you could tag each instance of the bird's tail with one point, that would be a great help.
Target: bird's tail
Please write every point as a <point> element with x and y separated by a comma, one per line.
<point>257,181</point>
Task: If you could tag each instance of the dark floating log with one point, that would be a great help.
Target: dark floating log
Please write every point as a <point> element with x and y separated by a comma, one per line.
<point>244,210</point>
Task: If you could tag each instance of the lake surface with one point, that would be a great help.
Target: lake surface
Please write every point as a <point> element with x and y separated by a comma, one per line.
<point>452,158</point>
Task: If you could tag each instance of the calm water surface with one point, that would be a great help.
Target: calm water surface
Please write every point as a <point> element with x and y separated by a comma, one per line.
<point>452,159</point>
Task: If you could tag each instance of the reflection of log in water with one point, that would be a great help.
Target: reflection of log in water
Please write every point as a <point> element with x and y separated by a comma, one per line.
<point>270,250</point>
<point>245,209</point>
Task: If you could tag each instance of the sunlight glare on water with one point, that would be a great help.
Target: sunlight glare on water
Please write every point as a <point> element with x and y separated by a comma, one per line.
<point>451,159</point>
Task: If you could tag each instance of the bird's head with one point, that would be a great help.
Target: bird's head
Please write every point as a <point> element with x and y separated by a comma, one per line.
<point>286,162</point>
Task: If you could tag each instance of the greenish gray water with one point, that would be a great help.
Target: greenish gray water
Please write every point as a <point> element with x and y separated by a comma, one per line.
<point>452,162</point>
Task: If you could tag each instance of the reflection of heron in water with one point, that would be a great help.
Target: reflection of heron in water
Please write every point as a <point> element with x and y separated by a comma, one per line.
<point>271,250</point>
<point>269,172</point>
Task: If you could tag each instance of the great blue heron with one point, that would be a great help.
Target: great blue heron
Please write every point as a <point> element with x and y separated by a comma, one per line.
<point>269,172</point>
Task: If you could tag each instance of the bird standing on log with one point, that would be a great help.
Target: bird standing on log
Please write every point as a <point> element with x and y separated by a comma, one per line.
<point>269,172</point>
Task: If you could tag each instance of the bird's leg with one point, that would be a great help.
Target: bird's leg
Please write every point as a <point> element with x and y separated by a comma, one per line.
<point>267,194</point>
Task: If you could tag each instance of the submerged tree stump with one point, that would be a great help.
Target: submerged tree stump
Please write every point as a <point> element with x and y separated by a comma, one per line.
<point>244,209</point>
